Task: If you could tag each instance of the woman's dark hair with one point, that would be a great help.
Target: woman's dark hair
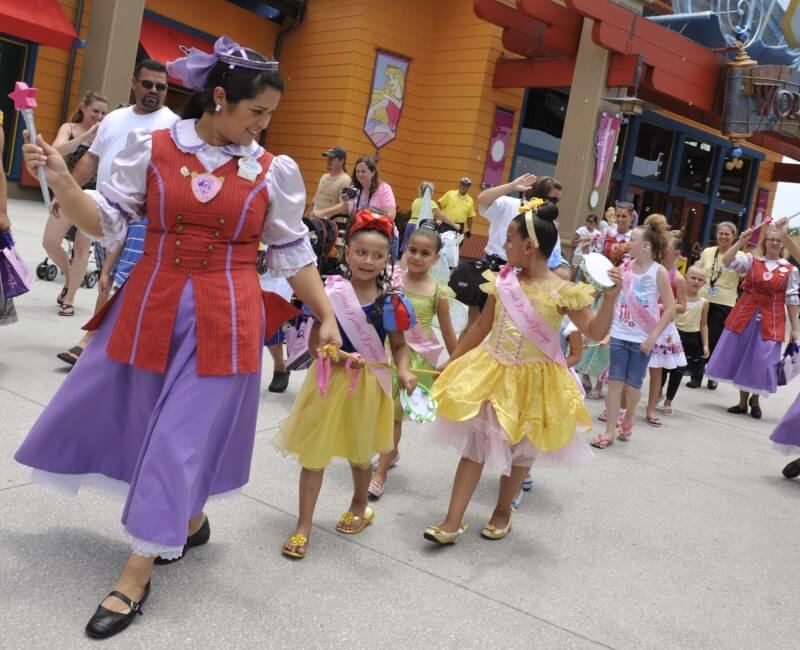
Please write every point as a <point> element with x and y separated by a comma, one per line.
<point>370,162</point>
<point>542,189</point>
<point>88,99</point>
<point>543,222</point>
<point>238,83</point>
<point>593,218</point>
<point>427,229</point>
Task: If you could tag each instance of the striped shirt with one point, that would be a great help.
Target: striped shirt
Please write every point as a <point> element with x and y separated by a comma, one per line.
<point>134,248</point>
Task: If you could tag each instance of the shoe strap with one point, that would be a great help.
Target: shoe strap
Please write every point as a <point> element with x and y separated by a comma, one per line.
<point>135,606</point>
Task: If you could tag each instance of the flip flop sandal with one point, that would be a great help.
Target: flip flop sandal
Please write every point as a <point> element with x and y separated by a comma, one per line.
<point>298,541</point>
<point>66,310</point>
<point>593,395</point>
<point>348,518</point>
<point>666,410</point>
<point>71,356</point>
<point>623,433</point>
<point>654,422</point>
<point>60,299</point>
<point>601,442</point>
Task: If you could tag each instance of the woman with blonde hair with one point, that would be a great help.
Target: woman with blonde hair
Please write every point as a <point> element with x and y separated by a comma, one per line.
<point>72,141</point>
<point>750,346</point>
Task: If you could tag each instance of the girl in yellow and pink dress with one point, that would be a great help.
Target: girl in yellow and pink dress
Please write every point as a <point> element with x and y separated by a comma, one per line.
<point>510,399</point>
<point>345,407</point>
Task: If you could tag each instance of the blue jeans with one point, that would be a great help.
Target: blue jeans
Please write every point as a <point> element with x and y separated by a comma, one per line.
<point>628,363</point>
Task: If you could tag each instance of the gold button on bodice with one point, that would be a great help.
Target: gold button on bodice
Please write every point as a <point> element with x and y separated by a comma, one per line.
<point>177,260</point>
<point>222,222</point>
<point>204,263</point>
<point>177,243</point>
<point>179,228</point>
<point>210,247</point>
<point>217,233</point>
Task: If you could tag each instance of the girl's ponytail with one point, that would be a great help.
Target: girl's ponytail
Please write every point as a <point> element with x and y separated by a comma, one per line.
<point>656,231</point>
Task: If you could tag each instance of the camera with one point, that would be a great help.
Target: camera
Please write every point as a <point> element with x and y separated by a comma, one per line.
<point>349,193</point>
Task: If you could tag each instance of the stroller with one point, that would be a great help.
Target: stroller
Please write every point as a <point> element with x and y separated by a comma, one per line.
<point>46,270</point>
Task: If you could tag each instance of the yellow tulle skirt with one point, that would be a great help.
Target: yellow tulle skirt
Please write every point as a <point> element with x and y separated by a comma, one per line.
<point>337,426</point>
<point>538,401</point>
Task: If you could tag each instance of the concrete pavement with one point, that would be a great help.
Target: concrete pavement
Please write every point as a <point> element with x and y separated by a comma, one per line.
<point>684,538</point>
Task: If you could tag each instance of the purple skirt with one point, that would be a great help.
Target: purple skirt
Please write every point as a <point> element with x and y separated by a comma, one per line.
<point>786,437</point>
<point>167,441</point>
<point>746,360</point>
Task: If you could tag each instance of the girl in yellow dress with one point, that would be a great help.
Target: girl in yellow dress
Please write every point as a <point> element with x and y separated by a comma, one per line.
<point>510,399</point>
<point>428,299</point>
<point>345,406</point>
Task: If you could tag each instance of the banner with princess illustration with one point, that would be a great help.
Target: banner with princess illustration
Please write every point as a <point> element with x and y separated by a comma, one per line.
<point>386,98</point>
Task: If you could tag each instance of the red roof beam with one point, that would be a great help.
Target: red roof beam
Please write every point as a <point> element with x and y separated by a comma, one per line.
<point>680,67</point>
<point>534,73</point>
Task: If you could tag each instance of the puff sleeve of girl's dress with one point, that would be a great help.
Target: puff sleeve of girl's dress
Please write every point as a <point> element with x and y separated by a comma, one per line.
<point>121,198</point>
<point>284,231</point>
<point>490,286</point>
<point>573,296</point>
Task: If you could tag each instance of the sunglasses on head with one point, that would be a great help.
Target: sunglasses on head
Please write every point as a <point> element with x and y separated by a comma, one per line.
<point>149,85</point>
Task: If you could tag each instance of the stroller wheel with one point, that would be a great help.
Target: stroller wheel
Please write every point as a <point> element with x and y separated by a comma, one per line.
<point>792,470</point>
<point>52,272</point>
<point>41,270</point>
<point>90,279</point>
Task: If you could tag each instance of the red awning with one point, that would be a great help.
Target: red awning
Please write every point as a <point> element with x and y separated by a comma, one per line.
<point>40,21</point>
<point>162,41</point>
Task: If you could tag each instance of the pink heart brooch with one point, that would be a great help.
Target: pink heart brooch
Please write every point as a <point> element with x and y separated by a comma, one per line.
<point>206,186</point>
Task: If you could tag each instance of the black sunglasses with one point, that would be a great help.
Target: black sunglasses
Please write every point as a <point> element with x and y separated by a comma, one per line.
<point>148,85</point>
<point>553,199</point>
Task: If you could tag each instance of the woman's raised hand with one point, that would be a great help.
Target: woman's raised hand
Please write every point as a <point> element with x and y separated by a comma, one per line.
<point>42,154</point>
<point>523,183</point>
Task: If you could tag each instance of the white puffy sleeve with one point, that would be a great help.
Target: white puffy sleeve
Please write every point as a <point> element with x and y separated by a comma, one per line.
<point>503,208</point>
<point>284,231</point>
<point>742,263</point>
<point>121,198</point>
<point>793,286</point>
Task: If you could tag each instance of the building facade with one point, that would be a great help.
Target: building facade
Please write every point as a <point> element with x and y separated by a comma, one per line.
<point>487,89</point>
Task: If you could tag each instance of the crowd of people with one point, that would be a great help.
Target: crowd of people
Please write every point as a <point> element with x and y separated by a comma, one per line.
<point>170,366</point>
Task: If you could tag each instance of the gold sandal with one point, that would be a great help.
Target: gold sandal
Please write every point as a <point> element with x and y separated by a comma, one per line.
<point>490,531</point>
<point>348,518</point>
<point>300,541</point>
<point>442,537</point>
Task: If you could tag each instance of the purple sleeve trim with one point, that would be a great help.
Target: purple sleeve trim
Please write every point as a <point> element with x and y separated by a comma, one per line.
<point>128,214</point>
<point>291,244</point>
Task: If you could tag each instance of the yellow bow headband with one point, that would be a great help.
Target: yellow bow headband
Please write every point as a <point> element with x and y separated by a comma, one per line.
<point>529,209</point>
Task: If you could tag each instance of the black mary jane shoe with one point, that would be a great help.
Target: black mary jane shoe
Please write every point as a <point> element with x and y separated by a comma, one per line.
<point>755,410</point>
<point>792,470</point>
<point>280,381</point>
<point>712,385</point>
<point>198,538</point>
<point>738,410</point>
<point>106,623</point>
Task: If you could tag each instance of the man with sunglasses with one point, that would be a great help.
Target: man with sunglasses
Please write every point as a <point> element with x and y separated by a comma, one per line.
<point>149,85</point>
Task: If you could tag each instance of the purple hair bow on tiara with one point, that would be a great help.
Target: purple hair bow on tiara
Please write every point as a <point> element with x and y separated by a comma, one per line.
<point>193,69</point>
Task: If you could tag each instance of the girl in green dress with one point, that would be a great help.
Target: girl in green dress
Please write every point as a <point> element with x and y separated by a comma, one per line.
<point>429,299</point>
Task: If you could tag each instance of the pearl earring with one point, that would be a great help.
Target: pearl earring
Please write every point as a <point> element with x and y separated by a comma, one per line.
<point>218,108</point>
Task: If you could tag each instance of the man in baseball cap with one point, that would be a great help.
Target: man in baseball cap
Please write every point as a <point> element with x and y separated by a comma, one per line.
<point>335,152</point>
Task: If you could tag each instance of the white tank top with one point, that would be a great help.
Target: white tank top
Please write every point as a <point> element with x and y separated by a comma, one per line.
<point>645,287</point>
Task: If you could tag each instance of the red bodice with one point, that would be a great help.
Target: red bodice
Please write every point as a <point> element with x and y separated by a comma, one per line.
<point>215,244</point>
<point>764,294</point>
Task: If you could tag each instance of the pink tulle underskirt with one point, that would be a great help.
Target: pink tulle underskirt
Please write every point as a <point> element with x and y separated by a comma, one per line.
<point>481,439</point>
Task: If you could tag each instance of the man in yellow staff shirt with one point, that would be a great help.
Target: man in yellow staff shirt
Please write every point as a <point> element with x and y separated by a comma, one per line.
<point>459,209</point>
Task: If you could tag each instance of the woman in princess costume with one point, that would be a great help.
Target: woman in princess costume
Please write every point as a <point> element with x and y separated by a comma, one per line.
<point>172,377</point>
<point>510,399</point>
<point>750,346</point>
<point>345,406</point>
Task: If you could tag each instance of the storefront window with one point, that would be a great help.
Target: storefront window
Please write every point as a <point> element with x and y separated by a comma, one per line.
<point>623,134</point>
<point>12,69</point>
<point>734,182</point>
<point>653,150</point>
<point>528,165</point>
<point>543,122</point>
<point>696,165</point>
